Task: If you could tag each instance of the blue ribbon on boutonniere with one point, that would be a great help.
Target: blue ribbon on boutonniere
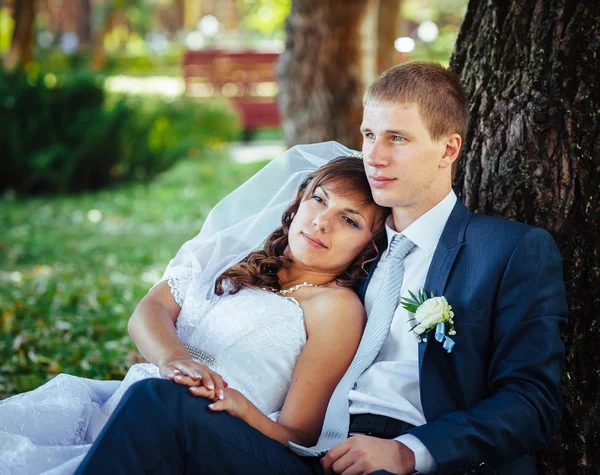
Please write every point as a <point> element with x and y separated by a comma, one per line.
<point>440,335</point>
<point>427,310</point>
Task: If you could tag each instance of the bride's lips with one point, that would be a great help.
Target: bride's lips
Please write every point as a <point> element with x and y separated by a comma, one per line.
<point>314,242</point>
<point>380,181</point>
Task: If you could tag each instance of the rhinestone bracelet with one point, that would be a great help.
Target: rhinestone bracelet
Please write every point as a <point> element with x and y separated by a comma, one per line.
<point>200,356</point>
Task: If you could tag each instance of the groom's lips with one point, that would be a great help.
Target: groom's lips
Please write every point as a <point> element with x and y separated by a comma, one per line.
<point>380,181</point>
<point>314,242</point>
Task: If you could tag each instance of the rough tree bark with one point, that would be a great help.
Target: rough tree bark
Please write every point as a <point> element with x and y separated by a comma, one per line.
<point>23,41</point>
<point>533,154</point>
<point>319,74</point>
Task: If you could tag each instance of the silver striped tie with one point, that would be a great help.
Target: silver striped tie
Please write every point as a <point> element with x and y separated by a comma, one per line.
<point>337,417</point>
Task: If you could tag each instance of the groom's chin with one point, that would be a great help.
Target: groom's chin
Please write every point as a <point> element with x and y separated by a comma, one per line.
<point>382,198</point>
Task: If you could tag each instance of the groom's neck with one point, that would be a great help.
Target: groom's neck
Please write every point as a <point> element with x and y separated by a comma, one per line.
<point>404,216</point>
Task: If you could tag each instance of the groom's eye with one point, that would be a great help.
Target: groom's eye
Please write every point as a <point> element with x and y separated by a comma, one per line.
<point>398,138</point>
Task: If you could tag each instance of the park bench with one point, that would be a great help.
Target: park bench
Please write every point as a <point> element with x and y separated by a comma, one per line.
<point>245,78</point>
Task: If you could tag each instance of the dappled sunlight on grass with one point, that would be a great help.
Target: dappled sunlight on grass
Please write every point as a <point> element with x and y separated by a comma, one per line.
<point>73,268</point>
<point>160,85</point>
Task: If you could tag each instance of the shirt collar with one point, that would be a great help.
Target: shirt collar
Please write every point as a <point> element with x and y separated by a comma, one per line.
<point>426,231</point>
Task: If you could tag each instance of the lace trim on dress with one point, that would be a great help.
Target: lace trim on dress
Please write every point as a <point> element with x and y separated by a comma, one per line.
<point>179,279</point>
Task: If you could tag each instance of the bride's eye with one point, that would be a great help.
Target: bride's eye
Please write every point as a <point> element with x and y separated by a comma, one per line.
<point>317,198</point>
<point>351,222</point>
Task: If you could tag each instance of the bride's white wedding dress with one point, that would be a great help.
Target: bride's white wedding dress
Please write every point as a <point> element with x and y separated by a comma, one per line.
<point>254,337</point>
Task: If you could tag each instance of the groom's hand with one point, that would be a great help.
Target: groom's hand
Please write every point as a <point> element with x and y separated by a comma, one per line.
<point>362,454</point>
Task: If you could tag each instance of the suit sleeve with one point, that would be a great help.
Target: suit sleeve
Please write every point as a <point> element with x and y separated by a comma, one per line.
<point>525,364</point>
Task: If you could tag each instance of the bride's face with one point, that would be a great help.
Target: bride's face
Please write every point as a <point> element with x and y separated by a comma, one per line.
<point>329,230</point>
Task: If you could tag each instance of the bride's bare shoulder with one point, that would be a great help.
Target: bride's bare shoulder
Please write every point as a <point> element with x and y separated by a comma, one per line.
<point>334,306</point>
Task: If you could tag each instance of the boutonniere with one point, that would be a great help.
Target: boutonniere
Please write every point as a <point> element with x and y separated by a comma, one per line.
<point>431,314</point>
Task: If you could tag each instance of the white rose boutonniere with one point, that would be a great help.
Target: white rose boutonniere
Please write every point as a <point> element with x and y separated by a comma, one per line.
<point>431,313</point>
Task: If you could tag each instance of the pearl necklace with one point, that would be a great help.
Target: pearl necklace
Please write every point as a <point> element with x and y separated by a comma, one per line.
<point>296,287</point>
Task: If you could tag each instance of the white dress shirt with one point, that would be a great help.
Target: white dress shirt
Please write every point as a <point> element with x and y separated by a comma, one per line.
<point>390,386</point>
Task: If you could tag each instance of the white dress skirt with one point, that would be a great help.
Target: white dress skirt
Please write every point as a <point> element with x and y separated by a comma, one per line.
<point>253,339</point>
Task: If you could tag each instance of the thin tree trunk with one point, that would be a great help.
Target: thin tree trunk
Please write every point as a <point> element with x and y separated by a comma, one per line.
<point>533,154</point>
<point>387,32</point>
<point>84,24</point>
<point>98,54</point>
<point>369,42</point>
<point>319,74</point>
<point>23,41</point>
<point>380,27</point>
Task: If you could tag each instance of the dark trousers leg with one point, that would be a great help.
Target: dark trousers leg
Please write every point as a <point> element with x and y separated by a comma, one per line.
<point>159,427</point>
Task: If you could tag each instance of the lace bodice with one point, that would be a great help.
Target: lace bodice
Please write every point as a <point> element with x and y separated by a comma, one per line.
<point>254,336</point>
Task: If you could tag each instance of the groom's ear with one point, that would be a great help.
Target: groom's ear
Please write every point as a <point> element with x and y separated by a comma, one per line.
<point>450,150</point>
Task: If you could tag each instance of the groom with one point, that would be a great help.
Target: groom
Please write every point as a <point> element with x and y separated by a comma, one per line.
<point>486,406</point>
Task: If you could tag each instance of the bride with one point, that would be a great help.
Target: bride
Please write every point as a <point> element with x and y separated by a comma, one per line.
<point>243,316</point>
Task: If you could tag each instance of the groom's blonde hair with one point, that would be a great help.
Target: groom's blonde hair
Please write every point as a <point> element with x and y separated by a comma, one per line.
<point>437,91</point>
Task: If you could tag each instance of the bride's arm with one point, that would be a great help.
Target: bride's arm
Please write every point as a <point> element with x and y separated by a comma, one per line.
<point>152,328</point>
<point>334,323</point>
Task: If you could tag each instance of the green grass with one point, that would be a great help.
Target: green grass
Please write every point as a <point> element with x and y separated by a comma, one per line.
<point>72,268</point>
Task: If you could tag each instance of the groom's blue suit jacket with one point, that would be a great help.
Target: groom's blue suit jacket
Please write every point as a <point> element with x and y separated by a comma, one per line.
<point>495,400</point>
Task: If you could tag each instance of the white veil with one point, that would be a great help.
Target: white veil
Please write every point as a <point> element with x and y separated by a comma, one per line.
<point>242,221</point>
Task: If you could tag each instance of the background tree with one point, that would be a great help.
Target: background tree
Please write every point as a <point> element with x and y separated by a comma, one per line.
<point>23,40</point>
<point>388,21</point>
<point>531,70</point>
<point>320,72</point>
<point>380,27</point>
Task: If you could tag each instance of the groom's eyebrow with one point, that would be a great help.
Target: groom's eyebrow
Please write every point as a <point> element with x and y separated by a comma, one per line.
<point>347,210</point>
<point>364,129</point>
<point>402,133</point>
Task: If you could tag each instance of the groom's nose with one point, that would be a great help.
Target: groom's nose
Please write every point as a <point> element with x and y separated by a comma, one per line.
<point>376,154</point>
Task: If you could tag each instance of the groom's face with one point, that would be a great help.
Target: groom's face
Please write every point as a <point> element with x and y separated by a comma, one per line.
<point>403,163</point>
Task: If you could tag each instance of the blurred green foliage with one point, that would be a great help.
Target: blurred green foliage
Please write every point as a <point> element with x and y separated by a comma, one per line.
<point>121,62</point>
<point>265,17</point>
<point>72,268</point>
<point>64,134</point>
<point>447,14</point>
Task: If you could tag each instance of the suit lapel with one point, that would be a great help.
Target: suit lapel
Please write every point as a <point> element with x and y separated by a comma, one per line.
<point>450,243</point>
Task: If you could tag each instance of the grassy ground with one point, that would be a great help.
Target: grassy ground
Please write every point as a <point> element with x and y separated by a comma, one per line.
<point>73,268</point>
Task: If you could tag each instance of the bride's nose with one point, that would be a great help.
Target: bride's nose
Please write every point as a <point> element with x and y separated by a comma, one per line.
<point>322,221</point>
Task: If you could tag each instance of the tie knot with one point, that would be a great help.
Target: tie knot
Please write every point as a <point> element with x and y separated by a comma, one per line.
<point>400,247</point>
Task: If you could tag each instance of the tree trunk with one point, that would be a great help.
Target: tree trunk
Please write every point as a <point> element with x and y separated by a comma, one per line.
<point>532,71</point>
<point>381,25</point>
<point>23,41</point>
<point>319,74</point>
<point>98,53</point>
<point>387,32</point>
<point>84,24</point>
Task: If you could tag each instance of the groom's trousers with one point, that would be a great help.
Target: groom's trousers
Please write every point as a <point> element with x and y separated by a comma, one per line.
<point>159,427</point>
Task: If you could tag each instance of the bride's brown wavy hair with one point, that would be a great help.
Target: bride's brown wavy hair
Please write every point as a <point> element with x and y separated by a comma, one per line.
<point>346,176</point>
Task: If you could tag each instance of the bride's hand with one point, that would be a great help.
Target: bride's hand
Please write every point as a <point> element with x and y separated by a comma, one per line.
<point>233,402</point>
<point>189,373</point>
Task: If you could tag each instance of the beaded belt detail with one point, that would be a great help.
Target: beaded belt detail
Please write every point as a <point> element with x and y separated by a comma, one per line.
<point>200,356</point>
